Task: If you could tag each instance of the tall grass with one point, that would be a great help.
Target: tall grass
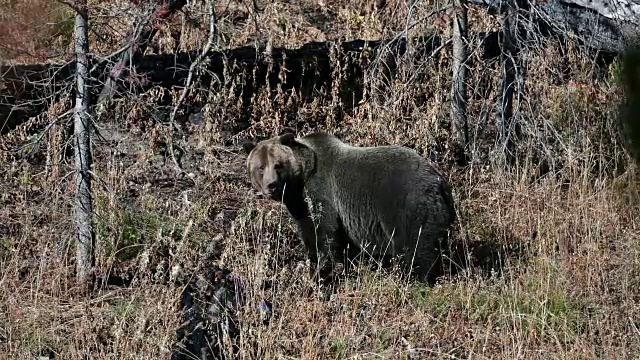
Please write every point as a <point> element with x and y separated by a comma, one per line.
<point>571,204</point>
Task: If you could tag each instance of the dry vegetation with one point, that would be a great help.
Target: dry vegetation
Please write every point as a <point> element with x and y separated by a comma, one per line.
<point>571,292</point>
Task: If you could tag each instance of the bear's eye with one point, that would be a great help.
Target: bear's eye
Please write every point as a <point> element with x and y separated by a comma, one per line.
<point>261,168</point>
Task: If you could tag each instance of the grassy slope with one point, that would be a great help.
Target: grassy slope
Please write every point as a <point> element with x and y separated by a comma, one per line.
<point>573,296</point>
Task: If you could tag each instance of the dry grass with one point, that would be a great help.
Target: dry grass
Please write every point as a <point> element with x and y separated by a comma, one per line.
<point>34,30</point>
<point>572,294</point>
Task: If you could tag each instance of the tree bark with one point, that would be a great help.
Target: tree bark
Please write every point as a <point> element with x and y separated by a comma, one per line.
<point>459,90</point>
<point>505,102</point>
<point>630,106</point>
<point>83,203</point>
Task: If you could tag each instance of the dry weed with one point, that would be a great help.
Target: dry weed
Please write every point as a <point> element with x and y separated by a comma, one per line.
<point>571,205</point>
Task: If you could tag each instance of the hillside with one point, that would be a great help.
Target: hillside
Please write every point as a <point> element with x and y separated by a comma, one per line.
<point>553,241</point>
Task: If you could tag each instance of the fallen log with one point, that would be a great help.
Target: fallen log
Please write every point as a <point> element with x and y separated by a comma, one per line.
<point>25,90</point>
<point>606,26</point>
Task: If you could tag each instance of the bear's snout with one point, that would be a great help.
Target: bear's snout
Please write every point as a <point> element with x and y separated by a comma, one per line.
<point>274,189</point>
<point>272,184</point>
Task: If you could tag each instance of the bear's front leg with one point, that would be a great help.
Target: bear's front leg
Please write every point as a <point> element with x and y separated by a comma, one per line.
<point>318,235</point>
<point>314,239</point>
<point>299,210</point>
<point>307,233</point>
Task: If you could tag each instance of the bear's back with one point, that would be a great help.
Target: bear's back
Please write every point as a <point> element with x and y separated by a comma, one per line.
<point>377,190</point>
<point>374,168</point>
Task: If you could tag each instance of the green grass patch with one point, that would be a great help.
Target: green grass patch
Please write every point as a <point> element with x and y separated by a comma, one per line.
<point>125,232</point>
<point>526,303</point>
<point>126,309</point>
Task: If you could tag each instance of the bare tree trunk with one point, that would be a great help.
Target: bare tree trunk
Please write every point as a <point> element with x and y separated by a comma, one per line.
<point>83,206</point>
<point>458,88</point>
<point>505,106</point>
<point>630,107</point>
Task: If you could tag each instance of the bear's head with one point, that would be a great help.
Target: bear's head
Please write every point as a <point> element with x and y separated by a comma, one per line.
<point>272,165</point>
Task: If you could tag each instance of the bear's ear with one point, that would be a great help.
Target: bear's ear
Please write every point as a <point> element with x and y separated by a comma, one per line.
<point>248,146</point>
<point>287,139</point>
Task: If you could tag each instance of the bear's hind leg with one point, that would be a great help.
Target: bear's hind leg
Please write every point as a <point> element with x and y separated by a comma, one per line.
<point>426,262</point>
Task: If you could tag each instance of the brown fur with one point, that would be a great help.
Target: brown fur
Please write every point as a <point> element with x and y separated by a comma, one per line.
<point>386,200</point>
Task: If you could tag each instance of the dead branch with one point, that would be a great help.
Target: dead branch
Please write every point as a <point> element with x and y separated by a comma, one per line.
<point>140,38</point>
<point>210,40</point>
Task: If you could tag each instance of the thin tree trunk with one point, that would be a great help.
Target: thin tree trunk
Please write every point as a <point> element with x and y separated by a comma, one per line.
<point>83,205</point>
<point>631,102</point>
<point>459,110</point>
<point>505,106</point>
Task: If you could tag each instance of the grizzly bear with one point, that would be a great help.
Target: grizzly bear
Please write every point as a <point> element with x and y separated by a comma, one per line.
<point>387,200</point>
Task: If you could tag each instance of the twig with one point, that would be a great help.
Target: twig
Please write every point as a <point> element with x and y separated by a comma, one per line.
<point>100,59</point>
<point>187,87</point>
